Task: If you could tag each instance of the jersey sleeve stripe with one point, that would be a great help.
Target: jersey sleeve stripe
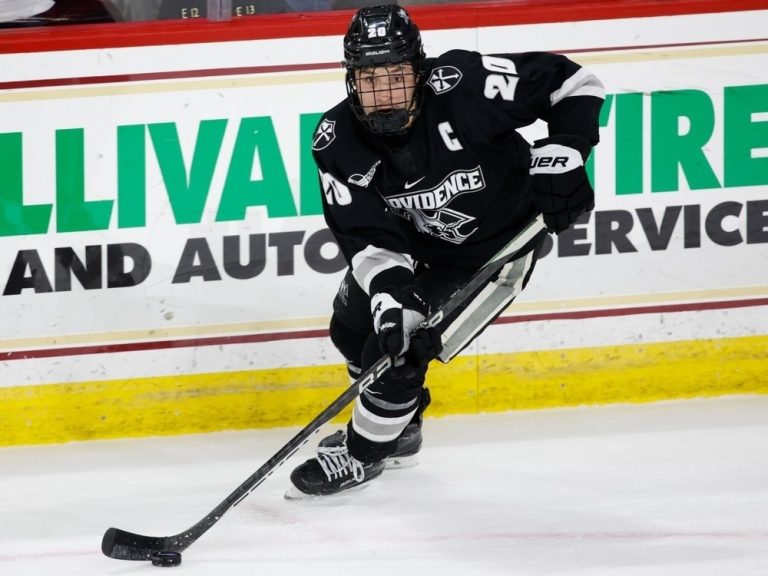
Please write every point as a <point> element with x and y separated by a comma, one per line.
<point>372,261</point>
<point>582,83</point>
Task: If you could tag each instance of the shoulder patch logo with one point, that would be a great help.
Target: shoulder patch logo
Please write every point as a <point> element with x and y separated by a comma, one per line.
<point>324,135</point>
<point>444,78</point>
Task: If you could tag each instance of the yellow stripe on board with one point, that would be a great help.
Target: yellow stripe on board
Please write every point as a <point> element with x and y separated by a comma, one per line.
<point>671,53</point>
<point>163,86</point>
<point>294,396</point>
<point>636,373</point>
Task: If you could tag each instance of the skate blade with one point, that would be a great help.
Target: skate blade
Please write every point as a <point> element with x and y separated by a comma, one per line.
<point>293,493</point>
<point>397,462</point>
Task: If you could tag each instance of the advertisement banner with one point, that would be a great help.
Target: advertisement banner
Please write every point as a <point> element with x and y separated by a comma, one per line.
<point>167,204</point>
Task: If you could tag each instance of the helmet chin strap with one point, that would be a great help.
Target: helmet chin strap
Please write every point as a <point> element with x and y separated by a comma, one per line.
<point>389,122</point>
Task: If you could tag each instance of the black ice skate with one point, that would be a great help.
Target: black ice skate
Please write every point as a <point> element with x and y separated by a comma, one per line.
<point>408,447</point>
<point>409,441</point>
<point>332,471</point>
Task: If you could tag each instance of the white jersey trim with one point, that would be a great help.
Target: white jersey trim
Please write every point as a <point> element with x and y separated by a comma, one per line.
<point>372,261</point>
<point>582,83</point>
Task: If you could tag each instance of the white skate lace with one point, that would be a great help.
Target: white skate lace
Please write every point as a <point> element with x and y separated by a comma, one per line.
<point>336,462</point>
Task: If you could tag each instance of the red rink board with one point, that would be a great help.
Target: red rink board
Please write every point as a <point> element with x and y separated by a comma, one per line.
<point>193,31</point>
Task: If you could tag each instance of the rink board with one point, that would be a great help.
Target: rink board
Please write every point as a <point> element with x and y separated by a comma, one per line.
<point>661,293</point>
<point>470,384</point>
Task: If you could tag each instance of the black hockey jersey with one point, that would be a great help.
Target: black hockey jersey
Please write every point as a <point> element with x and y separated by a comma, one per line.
<point>457,187</point>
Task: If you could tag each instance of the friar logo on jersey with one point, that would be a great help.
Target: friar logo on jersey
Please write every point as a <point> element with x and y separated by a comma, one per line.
<point>429,209</point>
<point>444,78</point>
<point>324,135</point>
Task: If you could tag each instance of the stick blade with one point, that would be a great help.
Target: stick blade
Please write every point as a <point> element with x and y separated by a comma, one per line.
<point>123,545</point>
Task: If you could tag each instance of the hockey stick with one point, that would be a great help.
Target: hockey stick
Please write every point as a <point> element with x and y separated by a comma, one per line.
<point>124,545</point>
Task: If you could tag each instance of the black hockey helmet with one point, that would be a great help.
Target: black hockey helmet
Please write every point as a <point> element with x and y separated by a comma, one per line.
<point>382,36</point>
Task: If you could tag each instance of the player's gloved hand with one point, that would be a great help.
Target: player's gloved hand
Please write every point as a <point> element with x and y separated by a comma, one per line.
<point>396,314</point>
<point>412,366</point>
<point>561,188</point>
<point>426,344</point>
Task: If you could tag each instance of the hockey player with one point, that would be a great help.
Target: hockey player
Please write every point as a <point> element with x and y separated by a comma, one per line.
<point>424,177</point>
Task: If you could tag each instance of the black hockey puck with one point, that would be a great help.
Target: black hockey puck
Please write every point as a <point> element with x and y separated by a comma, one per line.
<point>166,558</point>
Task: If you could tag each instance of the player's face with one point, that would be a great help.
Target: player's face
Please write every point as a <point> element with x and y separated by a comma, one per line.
<point>383,88</point>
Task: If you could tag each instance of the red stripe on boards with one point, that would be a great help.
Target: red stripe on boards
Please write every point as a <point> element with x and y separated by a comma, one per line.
<point>439,16</point>
<point>298,335</point>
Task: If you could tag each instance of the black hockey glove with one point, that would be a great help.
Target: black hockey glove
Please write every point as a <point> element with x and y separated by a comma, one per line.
<point>561,188</point>
<point>396,314</point>
<point>426,344</point>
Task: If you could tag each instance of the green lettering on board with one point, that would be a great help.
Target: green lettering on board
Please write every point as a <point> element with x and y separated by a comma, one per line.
<point>131,176</point>
<point>188,189</point>
<point>256,143</point>
<point>629,143</point>
<point>743,135</point>
<point>73,212</point>
<point>16,218</point>
<point>673,144</point>
<point>308,178</point>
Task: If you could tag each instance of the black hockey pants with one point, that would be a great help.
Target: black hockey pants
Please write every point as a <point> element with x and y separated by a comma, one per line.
<point>387,406</point>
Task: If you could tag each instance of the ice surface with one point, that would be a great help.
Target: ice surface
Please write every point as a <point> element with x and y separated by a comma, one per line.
<point>670,488</point>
